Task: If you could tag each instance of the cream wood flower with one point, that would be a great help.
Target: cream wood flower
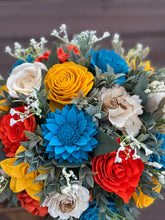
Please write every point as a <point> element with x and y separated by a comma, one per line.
<point>69,203</point>
<point>155,96</point>
<point>122,109</point>
<point>24,78</point>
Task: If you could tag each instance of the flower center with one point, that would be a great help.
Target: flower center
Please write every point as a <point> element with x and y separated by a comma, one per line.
<point>67,205</point>
<point>68,134</point>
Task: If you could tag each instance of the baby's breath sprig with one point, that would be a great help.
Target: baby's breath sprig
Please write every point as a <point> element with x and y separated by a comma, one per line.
<point>68,176</point>
<point>133,143</point>
<point>32,108</point>
<point>91,35</point>
<point>156,87</point>
<point>31,52</point>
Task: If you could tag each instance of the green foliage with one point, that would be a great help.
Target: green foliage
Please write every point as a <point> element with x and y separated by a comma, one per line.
<point>141,87</point>
<point>53,58</point>
<point>86,177</point>
<point>105,144</point>
<point>107,79</point>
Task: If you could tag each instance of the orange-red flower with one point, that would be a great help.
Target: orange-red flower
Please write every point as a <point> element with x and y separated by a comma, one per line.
<point>121,178</point>
<point>31,205</point>
<point>62,56</point>
<point>12,135</point>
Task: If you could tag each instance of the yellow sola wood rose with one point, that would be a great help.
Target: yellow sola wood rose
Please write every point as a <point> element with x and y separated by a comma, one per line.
<point>65,81</point>
<point>20,178</point>
<point>144,200</point>
<point>3,107</point>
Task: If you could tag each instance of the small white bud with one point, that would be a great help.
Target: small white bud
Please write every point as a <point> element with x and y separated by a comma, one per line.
<point>8,49</point>
<point>106,34</point>
<point>116,38</point>
<point>12,122</point>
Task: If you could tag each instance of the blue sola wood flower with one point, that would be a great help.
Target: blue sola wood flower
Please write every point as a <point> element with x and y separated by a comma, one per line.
<point>68,134</point>
<point>92,212</point>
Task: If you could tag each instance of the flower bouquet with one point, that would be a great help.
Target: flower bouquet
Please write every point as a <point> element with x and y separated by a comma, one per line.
<point>82,129</point>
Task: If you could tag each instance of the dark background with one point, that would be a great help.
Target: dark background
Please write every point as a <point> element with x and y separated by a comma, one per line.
<point>141,21</point>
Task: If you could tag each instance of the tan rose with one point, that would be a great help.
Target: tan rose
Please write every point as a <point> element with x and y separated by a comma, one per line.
<point>122,109</point>
<point>69,203</point>
<point>24,78</point>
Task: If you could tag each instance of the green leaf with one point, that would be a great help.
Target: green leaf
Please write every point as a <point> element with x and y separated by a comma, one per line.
<point>100,215</point>
<point>119,203</point>
<point>147,118</point>
<point>137,61</point>
<point>105,144</point>
<point>30,135</point>
<point>69,165</point>
<point>29,153</point>
<point>142,155</point>
<point>89,181</point>
<point>161,151</point>
<point>128,215</point>
<point>40,178</point>
<point>22,96</point>
<point>42,198</point>
<point>65,49</point>
<point>141,87</point>
<point>2,155</point>
<point>18,161</point>
<point>53,58</point>
<point>53,188</point>
<point>6,194</point>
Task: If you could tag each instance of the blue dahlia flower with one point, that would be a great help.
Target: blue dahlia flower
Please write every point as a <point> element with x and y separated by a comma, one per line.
<point>104,57</point>
<point>155,158</point>
<point>68,134</point>
<point>91,213</point>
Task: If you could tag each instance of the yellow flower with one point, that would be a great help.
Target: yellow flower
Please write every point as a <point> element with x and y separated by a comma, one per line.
<point>144,200</point>
<point>3,107</point>
<point>20,178</point>
<point>65,81</point>
<point>147,65</point>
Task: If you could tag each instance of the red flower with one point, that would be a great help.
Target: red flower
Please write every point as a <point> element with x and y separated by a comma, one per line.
<point>62,56</point>
<point>12,135</point>
<point>121,178</point>
<point>31,205</point>
<point>44,56</point>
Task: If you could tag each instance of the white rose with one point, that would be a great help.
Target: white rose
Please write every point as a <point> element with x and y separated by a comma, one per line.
<point>122,109</point>
<point>24,78</point>
<point>156,95</point>
<point>68,204</point>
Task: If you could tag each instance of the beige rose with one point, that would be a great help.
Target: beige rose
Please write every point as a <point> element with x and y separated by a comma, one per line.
<point>69,203</point>
<point>156,94</point>
<point>24,78</point>
<point>122,109</point>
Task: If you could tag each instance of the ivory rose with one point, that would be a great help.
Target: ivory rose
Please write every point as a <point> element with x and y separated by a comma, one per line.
<point>69,203</point>
<point>122,109</point>
<point>24,78</point>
